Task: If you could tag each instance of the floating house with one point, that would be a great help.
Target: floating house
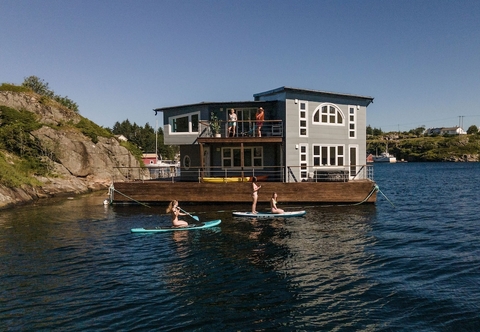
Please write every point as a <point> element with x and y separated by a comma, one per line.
<point>309,147</point>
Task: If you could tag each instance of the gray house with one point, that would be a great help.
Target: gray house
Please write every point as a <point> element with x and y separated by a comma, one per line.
<point>306,136</point>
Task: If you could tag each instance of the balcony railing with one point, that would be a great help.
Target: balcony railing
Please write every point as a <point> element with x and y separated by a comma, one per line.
<point>245,128</point>
<point>265,174</point>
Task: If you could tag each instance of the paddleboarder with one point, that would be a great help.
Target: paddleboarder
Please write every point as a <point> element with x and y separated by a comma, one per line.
<point>174,210</point>
<point>273,204</point>
<point>255,189</point>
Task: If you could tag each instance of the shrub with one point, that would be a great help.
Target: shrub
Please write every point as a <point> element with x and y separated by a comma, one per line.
<point>92,130</point>
<point>13,88</point>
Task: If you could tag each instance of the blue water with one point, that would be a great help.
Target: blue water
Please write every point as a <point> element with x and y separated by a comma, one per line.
<point>411,262</point>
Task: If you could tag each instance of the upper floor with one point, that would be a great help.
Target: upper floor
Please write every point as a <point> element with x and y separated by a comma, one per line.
<point>289,114</point>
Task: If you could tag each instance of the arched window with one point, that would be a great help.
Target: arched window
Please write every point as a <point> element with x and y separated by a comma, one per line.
<point>328,114</point>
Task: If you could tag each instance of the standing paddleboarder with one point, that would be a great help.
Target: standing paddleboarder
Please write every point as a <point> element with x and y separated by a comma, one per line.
<point>255,189</point>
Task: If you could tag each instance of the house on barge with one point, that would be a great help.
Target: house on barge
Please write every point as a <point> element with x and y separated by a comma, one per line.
<point>309,148</point>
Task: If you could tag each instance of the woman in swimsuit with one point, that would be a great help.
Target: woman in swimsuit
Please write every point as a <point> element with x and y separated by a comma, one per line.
<point>255,189</point>
<point>232,123</point>
<point>259,116</point>
<point>273,204</point>
<point>174,210</point>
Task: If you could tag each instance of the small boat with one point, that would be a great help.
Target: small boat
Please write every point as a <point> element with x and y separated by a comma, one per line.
<point>233,179</point>
<point>202,225</point>
<point>269,214</point>
<point>384,157</point>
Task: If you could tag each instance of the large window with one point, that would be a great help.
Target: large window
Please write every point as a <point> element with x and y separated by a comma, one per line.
<point>252,157</point>
<point>185,123</point>
<point>328,114</point>
<point>328,155</point>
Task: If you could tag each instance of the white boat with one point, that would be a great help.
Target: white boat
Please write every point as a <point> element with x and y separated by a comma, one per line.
<point>384,157</point>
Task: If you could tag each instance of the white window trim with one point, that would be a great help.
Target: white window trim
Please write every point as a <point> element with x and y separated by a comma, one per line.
<point>320,123</point>
<point>354,121</point>
<point>245,148</point>
<point>328,146</point>
<point>189,115</point>
<point>303,163</point>
<point>300,118</point>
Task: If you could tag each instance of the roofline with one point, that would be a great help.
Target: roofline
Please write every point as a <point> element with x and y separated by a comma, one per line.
<point>214,103</point>
<point>285,88</point>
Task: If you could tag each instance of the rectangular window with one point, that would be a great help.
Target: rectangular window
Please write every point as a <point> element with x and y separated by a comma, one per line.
<point>180,125</point>
<point>252,157</point>
<point>352,132</point>
<point>303,119</point>
<point>303,161</point>
<point>328,155</point>
<point>187,123</point>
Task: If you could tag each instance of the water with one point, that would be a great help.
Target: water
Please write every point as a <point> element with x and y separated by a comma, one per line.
<point>73,265</point>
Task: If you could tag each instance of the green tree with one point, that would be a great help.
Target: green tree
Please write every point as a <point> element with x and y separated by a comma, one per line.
<point>473,129</point>
<point>38,86</point>
<point>145,139</point>
<point>41,87</point>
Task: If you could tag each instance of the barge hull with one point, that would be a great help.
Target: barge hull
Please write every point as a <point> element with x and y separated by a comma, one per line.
<point>153,192</point>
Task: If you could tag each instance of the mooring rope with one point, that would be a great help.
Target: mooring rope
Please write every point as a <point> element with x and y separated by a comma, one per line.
<point>375,188</point>
<point>112,188</point>
<point>378,189</point>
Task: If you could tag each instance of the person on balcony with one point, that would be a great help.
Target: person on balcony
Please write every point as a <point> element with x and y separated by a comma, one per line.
<point>260,117</point>
<point>232,123</point>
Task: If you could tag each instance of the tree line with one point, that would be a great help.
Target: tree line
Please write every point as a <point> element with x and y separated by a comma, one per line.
<point>415,132</point>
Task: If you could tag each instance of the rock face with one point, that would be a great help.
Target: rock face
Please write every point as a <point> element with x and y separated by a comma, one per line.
<point>80,166</point>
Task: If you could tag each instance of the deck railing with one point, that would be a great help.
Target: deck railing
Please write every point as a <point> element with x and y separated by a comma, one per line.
<point>265,174</point>
<point>245,128</point>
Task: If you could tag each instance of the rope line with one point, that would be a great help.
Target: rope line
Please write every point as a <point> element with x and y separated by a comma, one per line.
<point>384,195</point>
<point>113,189</point>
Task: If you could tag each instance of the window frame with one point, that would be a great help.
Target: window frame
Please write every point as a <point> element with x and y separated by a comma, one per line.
<point>328,115</point>
<point>256,157</point>
<point>172,119</point>
<point>327,150</point>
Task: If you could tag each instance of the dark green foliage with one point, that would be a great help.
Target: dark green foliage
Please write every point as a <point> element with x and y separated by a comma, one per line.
<point>15,128</point>
<point>472,130</point>
<point>144,138</point>
<point>92,130</point>
<point>15,137</point>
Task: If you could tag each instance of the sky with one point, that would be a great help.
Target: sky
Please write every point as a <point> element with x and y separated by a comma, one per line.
<point>120,59</point>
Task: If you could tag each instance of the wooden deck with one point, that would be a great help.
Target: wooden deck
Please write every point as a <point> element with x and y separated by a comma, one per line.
<point>193,192</point>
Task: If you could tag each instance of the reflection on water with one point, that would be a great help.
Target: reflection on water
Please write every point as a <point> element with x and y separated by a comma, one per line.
<point>73,265</point>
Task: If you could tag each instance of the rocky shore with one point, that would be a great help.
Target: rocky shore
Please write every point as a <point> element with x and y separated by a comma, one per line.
<point>80,166</point>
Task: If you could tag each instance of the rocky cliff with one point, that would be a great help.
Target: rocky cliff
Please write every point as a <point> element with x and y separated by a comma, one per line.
<point>79,165</point>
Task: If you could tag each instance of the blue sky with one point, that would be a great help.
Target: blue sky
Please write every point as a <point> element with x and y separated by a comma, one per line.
<point>120,59</point>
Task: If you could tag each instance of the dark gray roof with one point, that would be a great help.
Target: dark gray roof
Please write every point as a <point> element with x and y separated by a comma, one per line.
<point>309,91</point>
<point>227,104</point>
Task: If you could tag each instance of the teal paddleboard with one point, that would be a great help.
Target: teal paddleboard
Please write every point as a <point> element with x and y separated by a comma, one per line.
<point>269,214</point>
<point>202,225</point>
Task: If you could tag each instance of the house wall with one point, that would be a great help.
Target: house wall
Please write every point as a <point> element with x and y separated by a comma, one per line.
<point>319,133</point>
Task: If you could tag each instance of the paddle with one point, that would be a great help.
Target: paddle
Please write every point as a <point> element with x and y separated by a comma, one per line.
<point>194,217</point>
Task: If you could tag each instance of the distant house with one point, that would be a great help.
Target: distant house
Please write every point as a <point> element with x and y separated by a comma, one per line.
<point>121,138</point>
<point>445,131</point>
<point>149,158</point>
